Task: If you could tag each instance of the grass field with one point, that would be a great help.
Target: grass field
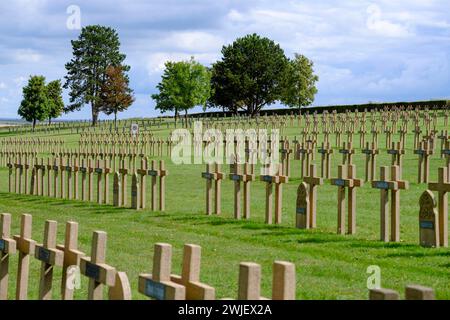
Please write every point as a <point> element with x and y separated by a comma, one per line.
<point>329,266</point>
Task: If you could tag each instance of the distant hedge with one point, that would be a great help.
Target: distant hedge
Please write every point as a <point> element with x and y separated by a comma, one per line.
<point>432,104</point>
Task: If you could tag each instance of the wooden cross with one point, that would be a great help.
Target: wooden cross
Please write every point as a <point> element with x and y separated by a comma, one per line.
<point>278,180</point>
<point>394,185</point>
<point>72,257</point>
<point>416,292</point>
<point>95,268</point>
<point>304,154</point>
<point>424,151</point>
<point>123,171</point>
<point>117,190</point>
<point>26,247</point>
<point>237,176</point>
<point>371,161</point>
<point>286,158</point>
<point>159,285</point>
<point>49,257</point>
<point>326,152</point>
<point>347,179</point>
<point>445,152</point>
<point>347,153</point>
<point>442,187</point>
<point>397,153</point>
<point>190,275</point>
<point>283,281</point>
<point>7,248</point>
<point>216,176</point>
<point>312,181</point>
<point>135,194</point>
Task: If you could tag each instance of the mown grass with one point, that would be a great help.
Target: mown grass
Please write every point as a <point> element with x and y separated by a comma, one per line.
<point>329,266</point>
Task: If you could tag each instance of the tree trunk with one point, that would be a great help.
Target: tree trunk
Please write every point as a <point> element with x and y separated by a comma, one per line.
<point>185,118</point>
<point>94,116</point>
<point>34,124</point>
<point>115,121</point>
<point>176,117</point>
<point>49,120</point>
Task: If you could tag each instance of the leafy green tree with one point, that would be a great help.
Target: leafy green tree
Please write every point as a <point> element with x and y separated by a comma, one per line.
<point>249,75</point>
<point>96,49</point>
<point>183,85</point>
<point>116,96</point>
<point>299,84</point>
<point>55,100</point>
<point>34,106</point>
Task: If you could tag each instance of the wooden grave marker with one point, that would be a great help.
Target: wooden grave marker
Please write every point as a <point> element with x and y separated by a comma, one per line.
<point>26,247</point>
<point>442,187</point>
<point>312,181</point>
<point>347,179</point>
<point>7,248</point>
<point>159,285</point>
<point>190,275</point>
<point>71,257</point>
<point>270,180</point>
<point>96,269</point>
<point>49,257</point>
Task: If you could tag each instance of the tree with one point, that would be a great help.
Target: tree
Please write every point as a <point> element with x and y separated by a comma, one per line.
<point>55,100</point>
<point>183,85</point>
<point>299,82</point>
<point>34,106</point>
<point>96,49</point>
<point>249,75</point>
<point>115,94</point>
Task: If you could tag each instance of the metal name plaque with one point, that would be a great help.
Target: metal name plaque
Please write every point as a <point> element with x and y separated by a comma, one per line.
<point>207,175</point>
<point>236,177</point>
<point>301,210</point>
<point>322,151</point>
<point>426,225</point>
<point>55,168</point>
<point>44,255</point>
<point>267,178</point>
<point>343,151</point>
<point>2,245</point>
<point>366,151</point>
<point>155,290</point>
<point>382,185</point>
<point>92,271</point>
<point>446,151</point>
<point>153,173</point>
<point>418,152</point>
<point>83,170</point>
<point>339,182</point>
<point>98,170</point>
<point>392,152</point>
<point>68,168</point>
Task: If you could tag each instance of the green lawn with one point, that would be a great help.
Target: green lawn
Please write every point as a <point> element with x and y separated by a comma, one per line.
<point>329,266</point>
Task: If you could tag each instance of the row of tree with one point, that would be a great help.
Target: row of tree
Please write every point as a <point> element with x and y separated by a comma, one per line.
<point>254,72</point>
<point>41,101</point>
<point>96,76</point>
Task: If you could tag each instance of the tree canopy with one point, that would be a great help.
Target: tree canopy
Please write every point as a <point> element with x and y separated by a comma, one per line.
<point>116,96</point>
<point>249,74</point>
<point>35,103</point>
<point>96,48</point>
<point>299,83</point>
<point>55,100</point>
<point>184,85</point>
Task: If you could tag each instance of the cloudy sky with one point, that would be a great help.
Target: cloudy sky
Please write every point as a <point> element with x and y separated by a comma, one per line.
<point>379,50</point>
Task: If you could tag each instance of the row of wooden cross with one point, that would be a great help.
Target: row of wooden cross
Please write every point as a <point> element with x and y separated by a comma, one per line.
<point>59,178</point>
<point>161,284</point>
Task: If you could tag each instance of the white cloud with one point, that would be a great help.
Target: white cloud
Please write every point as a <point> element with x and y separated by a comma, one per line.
<point>3,85</point>
<point>27,56</point>
<point>155,62</point>
<point>194,41</point>
<point>376,23</point>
